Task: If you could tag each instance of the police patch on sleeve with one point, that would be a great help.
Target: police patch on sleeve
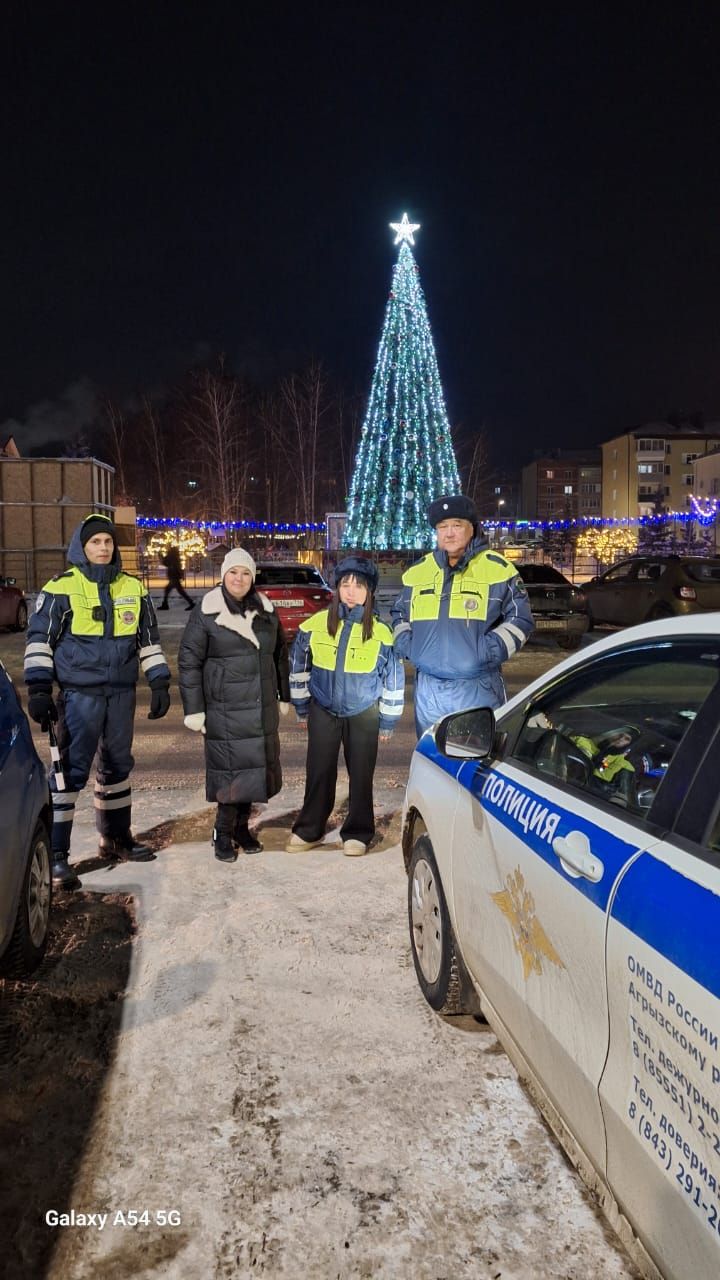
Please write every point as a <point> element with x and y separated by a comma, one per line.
<point>39,602</point>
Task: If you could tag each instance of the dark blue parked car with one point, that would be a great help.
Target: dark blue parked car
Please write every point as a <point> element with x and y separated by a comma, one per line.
<point>25,882</point>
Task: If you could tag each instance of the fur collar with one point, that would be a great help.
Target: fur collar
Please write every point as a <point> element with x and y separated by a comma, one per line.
<point>240,623</point>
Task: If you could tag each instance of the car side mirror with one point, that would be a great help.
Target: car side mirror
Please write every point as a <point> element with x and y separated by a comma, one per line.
<point>466,735</point>
<point>8,582</point>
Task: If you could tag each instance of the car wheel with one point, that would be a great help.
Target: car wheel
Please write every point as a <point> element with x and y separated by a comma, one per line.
<point>569,642</point>
<point>21,617</point>
<point>659,611</point>
<point>29,938</point>
<point>591,621</point>
<point>440,971</point>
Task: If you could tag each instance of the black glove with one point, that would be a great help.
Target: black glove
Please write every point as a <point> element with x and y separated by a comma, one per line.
<point>41,708</point>
<point>159,702</point>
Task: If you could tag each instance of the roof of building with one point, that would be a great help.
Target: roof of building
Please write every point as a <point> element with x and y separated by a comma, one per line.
<point>682,429</point>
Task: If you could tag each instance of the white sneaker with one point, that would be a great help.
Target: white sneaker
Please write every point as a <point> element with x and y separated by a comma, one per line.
<point>354,848</point>
<point>296,844</point>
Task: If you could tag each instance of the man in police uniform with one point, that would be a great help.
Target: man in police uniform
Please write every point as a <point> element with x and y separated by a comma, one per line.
<point>92,627</point>
<point>463,611</point>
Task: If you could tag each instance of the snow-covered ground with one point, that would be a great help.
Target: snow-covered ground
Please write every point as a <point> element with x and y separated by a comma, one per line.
<point>281,1085</point>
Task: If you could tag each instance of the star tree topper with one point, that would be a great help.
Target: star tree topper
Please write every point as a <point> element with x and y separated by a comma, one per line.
<point>404,230</point>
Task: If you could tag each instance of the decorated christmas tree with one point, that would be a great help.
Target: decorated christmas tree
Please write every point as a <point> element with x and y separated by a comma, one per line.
<point>405,457</point>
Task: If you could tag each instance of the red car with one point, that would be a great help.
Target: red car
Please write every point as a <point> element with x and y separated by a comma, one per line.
<point>13,605</point>
<point>296,590</point>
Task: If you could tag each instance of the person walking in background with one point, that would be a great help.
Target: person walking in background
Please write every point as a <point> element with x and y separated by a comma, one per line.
<point>93,627</point>
<point>233,669</point>
<point>171,560</point>
<point>347,683</point>
<point>462,612</point>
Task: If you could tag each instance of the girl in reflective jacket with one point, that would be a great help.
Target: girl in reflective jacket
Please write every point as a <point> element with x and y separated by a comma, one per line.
<point>347,685</point>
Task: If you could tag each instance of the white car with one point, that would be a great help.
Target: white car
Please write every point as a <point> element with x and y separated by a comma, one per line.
<point>563,857</point>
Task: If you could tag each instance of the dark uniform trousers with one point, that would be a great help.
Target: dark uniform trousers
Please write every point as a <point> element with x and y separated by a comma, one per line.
<point>359,737</point>
<point>90,723</point>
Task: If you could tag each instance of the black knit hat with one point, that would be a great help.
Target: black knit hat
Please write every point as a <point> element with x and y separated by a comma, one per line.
<point>452,506</point>
<point>97,524</point>
<point>359,567</point>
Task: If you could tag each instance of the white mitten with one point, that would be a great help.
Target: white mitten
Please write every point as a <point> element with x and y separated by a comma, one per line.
<point>284,708</point>
<point>196,722</point>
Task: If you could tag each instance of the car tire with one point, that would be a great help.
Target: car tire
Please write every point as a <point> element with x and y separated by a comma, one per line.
<point>591,621</point>
<point>569,642</point>
<point>440,971</point>
<point>30,934</point>
<point>21,617</point>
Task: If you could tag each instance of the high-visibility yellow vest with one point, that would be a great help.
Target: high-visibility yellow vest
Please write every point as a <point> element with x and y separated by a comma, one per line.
<point>361,656</point>
<point>608,766</point>
<point>469,590</point>
<point>126,594</point>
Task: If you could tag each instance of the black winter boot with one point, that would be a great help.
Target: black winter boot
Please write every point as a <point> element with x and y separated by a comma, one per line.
<point>245,839</point>
<point>222,840</point>
<point>125,849</point>
<point>63,876</point>
<point>223,846</point>
<point>242,836</point>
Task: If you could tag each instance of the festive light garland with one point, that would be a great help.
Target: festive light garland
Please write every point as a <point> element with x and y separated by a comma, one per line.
<point>704,511</point>
<point>701,515</point>
<point>214,526</point>
<point>188,542</point>
<point>405,457</point>
<point>605,544</point>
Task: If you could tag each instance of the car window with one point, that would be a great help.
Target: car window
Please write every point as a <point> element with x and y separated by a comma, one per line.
<point>288,576</point>
<point>612,730</point>
<point>650,570</point>
<point>9,717</point>
<point>621,572</point>
<point>703,570</point>
<point>541,573</point>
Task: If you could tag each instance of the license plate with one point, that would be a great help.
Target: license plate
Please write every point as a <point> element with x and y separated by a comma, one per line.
<point>546,625</point>
<point>293,604</point>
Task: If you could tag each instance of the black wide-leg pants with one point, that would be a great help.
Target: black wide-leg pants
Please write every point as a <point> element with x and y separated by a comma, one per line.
<point>359,738</point>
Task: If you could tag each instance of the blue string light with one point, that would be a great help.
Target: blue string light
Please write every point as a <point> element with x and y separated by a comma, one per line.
<point>213,526</point>
<point>702,512</point>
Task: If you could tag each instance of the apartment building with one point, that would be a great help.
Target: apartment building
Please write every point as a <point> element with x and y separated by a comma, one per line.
<point>707,475</point>
<point>562,484</point>
<point>654,464</point>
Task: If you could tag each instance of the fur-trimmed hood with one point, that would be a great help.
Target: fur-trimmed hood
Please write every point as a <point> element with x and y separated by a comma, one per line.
<point>241,623</point>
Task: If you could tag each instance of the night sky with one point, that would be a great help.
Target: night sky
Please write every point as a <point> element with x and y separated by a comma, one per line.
<point>181,179</point>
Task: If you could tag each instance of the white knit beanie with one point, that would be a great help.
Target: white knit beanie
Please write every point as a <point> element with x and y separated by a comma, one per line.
<point>238,559</point>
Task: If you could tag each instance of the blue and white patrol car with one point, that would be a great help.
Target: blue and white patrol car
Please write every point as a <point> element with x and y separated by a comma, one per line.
<point>563,857</point>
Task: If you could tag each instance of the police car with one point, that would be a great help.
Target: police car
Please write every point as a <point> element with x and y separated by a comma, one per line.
<point>563,860</point>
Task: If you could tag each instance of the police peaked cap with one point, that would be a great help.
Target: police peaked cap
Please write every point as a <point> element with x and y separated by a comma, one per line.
<point>452,506</point>
<point>359,567</point>
<point>97,524</point>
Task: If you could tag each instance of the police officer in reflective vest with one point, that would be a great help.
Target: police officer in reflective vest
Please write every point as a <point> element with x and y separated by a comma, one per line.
<point>462,612</point>
<point>92,628</point>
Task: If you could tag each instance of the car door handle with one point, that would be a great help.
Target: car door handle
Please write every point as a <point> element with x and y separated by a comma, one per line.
<point>576,856</point>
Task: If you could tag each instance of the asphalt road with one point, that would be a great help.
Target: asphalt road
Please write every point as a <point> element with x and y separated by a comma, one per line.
<point>167,756</point>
